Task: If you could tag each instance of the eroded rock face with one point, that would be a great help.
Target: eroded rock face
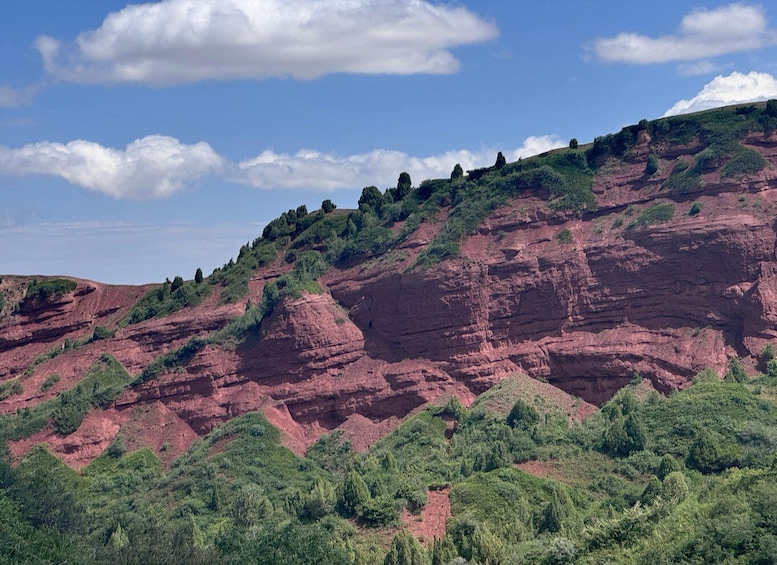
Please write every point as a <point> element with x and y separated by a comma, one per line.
<point>664,300</point>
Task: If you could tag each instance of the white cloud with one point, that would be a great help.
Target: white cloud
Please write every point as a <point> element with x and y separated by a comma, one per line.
<point>179,41</point>
<point>725,90</point>
<point>381,167</point>
<point>159,166</point>
<point>703,33</point>
<point>153,167</point>
<point>696,68</point>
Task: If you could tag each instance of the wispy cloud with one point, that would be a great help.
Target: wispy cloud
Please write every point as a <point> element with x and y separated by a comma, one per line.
<point>732,89</point>
<point>703,33</point>
<point>11,97</point>
<point>152,167</point>
<point>180,41</point>
<point>159,166</point>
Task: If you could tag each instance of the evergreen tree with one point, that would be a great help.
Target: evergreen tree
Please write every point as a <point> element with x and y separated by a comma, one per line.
<point>522,416</point>
<point>457,172</point>
<point>443,551</point>
<point>573,143</point>
<point>404,186</point>
<point>198,276</point>
<point>372,197</point>
<point>668,465</point>
<point>736,372</point>
<point>500,161</point>
<point>355,494</point>
<point>652,491</point>
<point>327,206</point>
<point>405,550</point>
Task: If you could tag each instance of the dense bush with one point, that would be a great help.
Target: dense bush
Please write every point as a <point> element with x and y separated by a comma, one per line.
<point>49,287</point>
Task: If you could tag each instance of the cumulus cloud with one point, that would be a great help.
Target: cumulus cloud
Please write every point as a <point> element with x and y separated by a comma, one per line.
<point>180,41</point>
<point>703,33</point>
<point>326,171</point>
<point>153,167</point>
<point>159,166</point>
<point>725,90</point>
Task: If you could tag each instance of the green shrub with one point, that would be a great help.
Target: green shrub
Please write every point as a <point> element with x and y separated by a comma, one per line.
<point>564,236</point>
<point>50,287</point>
<point>573,144</point>
<point>746,161</point>
<point>656,214</point>
<point>50,381</point>
<point>651,167</point>
<point>683,178</point>
<point>695,209</point>
<point>768,352</point>
<point>10,388</point>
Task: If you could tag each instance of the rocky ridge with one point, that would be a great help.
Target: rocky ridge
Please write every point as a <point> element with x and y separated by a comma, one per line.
<point>585,312</point>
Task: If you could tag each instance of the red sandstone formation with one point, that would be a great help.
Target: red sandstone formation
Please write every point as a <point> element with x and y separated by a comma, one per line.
<point>666,301</point>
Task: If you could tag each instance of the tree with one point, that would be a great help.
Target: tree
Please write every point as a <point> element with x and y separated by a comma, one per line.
<point>736,372</point>
<point>653,490</point>
<point>355,494</point>
<point>198,276</point>
<point>443,551</point>
<point>327,206</point>
<point>522,415</point>
<point>457,172</point>
<point>557,510</point>
<point>668,465</point>
<point>301,212</point>
<point>405,550</point>
<point>371,197</point>
<point>176,284</point>
<point>651,167</point>
<point>249,505</point>
<point>500,161</point>
<point>573,143</point>
<point>404,186</point>
<point>319,502</point>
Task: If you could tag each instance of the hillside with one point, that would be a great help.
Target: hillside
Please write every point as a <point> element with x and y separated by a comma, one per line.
<point>641,261</point>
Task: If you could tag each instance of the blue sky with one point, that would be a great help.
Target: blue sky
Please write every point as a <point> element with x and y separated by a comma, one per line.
<point>139,142</point>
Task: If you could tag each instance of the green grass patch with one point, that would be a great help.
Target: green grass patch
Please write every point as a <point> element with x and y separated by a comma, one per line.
<point>655,214</point>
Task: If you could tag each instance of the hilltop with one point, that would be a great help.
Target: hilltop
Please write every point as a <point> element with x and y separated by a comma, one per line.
<point>640,260</point>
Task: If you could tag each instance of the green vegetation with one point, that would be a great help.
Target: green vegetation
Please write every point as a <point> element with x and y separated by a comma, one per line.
<point>166,299</point>
<point>102,384</point>
<point>40,291</point>
<point>687,478</point>
<point>50,381</point>
<point>655,214</point>
<point>651,167</point>
<point>10,387</point>
<point>744,162</point>
<point>695,208</point>
<point>564,236</point>
<point>684,478</point>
